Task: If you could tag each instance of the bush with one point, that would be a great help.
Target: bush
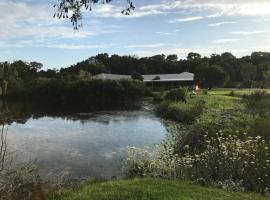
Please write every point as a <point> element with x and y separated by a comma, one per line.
<point>157,96</point>
<point>179,94</point>
<point>85,91</point>
<point>204,92</point>
<point>181,112</point>
<point>260,126</point>
<point>258,102</point>
<point>226,161</point>
<point>256,96</point>
<point>232,94</point>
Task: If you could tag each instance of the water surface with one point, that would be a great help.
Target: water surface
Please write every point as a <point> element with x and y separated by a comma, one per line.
<point>85,144</point>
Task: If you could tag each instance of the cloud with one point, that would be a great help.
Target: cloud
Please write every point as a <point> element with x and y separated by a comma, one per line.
<point>77,47</point>
<point>187,19</point>
<point>110,10</point>
<point>165,33</point>
<point>248,32</point>
<point>225,41</point>
<point>156,45</point>
<point>221,23</point>
<point>24,24</point>
<point>217,8</point>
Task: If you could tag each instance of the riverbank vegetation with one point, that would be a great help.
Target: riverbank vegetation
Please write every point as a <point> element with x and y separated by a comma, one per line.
<point>227,145</point>
<point>83,91</point>
<point>151,188</point>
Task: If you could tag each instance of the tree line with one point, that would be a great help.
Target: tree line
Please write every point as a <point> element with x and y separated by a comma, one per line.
<point>224,70</point>
<point>217,70</point>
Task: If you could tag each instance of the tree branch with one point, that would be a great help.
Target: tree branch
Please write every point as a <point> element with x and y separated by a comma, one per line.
<point>75,7</point>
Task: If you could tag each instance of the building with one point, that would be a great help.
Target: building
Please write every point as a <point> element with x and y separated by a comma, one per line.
<point>112,77</point>
<point>183,77</point>
<point>156,80</point>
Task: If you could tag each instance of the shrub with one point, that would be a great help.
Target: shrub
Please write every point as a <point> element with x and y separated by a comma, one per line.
<point>204,92</point>
<point>260,126</point>
<point>256,96</point>
<point>157,96</point>
<point>232,93</point>
<point>258,102</point>
<point>225,160</point>
<point>20,183</point>
<point>232,158</point>
<point>179,94</point>
<point>181,112</point>
<point>56,90</point>
<point>162,108</point>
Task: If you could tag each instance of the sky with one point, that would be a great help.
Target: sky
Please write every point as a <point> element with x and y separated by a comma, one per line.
<point>30,33</point>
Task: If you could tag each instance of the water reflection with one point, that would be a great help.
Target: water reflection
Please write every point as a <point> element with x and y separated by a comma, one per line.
<point>88,143</point>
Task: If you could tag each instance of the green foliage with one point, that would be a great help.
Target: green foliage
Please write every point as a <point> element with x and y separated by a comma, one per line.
<point>181,112</point>
<point>179,94</point>
<point>248,71</point>
<point>232,93</point>
<point>158,96</point>
<point>205,92</point>
<point>267,77</point>
<point>227,145</point>
<point>150,189</point>
<point>20,183</point>
<point>260,126</point>
<point>230,162</point>
<point>61,91</point>
<point>258,102</point>
<point>64,8</point>
<point>211,76</point>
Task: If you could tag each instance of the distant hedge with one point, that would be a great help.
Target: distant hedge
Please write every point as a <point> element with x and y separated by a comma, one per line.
<point>79,91</point>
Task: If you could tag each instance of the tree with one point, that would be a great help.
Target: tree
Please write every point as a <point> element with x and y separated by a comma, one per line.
<point>172,58</point>
<point>260,57</point>
<point>193,56</point>
<point>262,69</point>
<point>230,65</point>
<point>210,76</point>
<point>9,78</point>
<point>267,77</point>
<point>248,71</point>
<point>35,66</point>
<point>3,87</point>
<point>75,7</point>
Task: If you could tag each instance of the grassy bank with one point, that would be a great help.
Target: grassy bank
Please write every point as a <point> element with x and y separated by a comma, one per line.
<point>150,188</point>
<point>226,143</point>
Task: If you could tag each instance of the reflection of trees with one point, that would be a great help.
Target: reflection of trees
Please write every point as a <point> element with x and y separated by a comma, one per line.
<point>20,111</point>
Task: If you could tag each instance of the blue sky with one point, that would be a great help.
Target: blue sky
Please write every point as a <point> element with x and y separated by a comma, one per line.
<point>29,32</point>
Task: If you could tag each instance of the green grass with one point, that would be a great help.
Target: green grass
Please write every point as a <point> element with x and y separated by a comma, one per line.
<point>224,91</point>
<point>218,102</point>
<point>220,99</point>
<point>153,189</point>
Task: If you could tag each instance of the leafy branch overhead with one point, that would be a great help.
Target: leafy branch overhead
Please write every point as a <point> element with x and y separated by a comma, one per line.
<point>72,9</point>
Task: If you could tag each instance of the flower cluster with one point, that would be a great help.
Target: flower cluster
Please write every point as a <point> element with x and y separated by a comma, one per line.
<point>242,161</point>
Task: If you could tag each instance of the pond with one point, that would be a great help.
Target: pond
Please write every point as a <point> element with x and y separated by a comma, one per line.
<point>84,143</point>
